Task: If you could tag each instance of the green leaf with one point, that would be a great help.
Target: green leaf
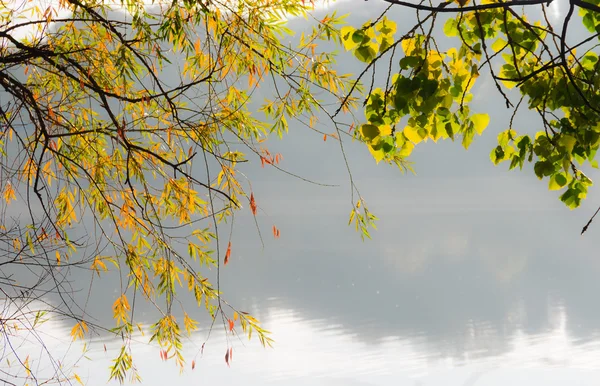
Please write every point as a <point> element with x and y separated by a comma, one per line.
<point>405,86</point>
<point>450,28</point>
<point>410,62</point>
<point>589,61</point>
<point>365,53</point>
<point>369,132</point>
<point>497,155</point>
<point>557,181</point>
<point>508,71</point>
<point>399,102</point>
<point>571,198</point>
<point>359,37</point>
<point>387,145</point>
<point>568,141</point>
<point>450,129</point>
<point>588,21</point>
<point>543,169</point>
<point>480,122</point>
<point>428,88</point>
<point>468,135</point>
<point>542,146</point>
<point>385,44</point>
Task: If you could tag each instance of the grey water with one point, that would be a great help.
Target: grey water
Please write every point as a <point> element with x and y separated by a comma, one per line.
<point>475,276</point>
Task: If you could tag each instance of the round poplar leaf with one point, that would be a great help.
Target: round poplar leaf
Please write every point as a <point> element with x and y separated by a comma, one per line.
<point>557,181</point>
<point>369,132</point>
<point>413,134</point>
<point>480,122</point>
<point>387,145</point>
<point>365,53</point>
<point>450,28</point>
<point>428,88</point>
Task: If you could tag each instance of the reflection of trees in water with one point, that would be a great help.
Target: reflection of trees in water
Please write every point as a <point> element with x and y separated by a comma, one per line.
<point>470,292</point>
<point>508,279</point>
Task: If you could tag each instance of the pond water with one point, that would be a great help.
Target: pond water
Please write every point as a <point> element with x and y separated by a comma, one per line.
<point>475,276</point>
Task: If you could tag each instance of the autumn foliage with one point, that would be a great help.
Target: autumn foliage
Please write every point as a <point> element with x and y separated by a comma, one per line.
<point>97,132</point>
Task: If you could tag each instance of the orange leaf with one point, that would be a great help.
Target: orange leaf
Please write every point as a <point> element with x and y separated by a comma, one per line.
<point>252,204</point>
<point>275,232</point>
<point>227,254</point>
<point>231,353</point>
<point>324,137</point>
<point>121,132</point>
<point>231,324</point>
<point>193,365</point>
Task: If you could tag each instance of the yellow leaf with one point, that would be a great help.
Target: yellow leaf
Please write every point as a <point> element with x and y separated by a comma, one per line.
<point>498,44</point>
<point>407,148</point>
<point>480,122</point>
<point>409,45</point>
<point>26,365</point>
<point>98,264</point>
<point>412,134</point>
<point>377,154</point>
<point>507,83</point>
<point>78,330</point>
<point>120,309</point>
<point>77,378</point>
<point>385,130</point>
<point>9,193</point>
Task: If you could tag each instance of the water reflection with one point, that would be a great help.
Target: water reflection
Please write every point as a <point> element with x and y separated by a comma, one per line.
<point>326,352</point>
<point>437,297</point>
